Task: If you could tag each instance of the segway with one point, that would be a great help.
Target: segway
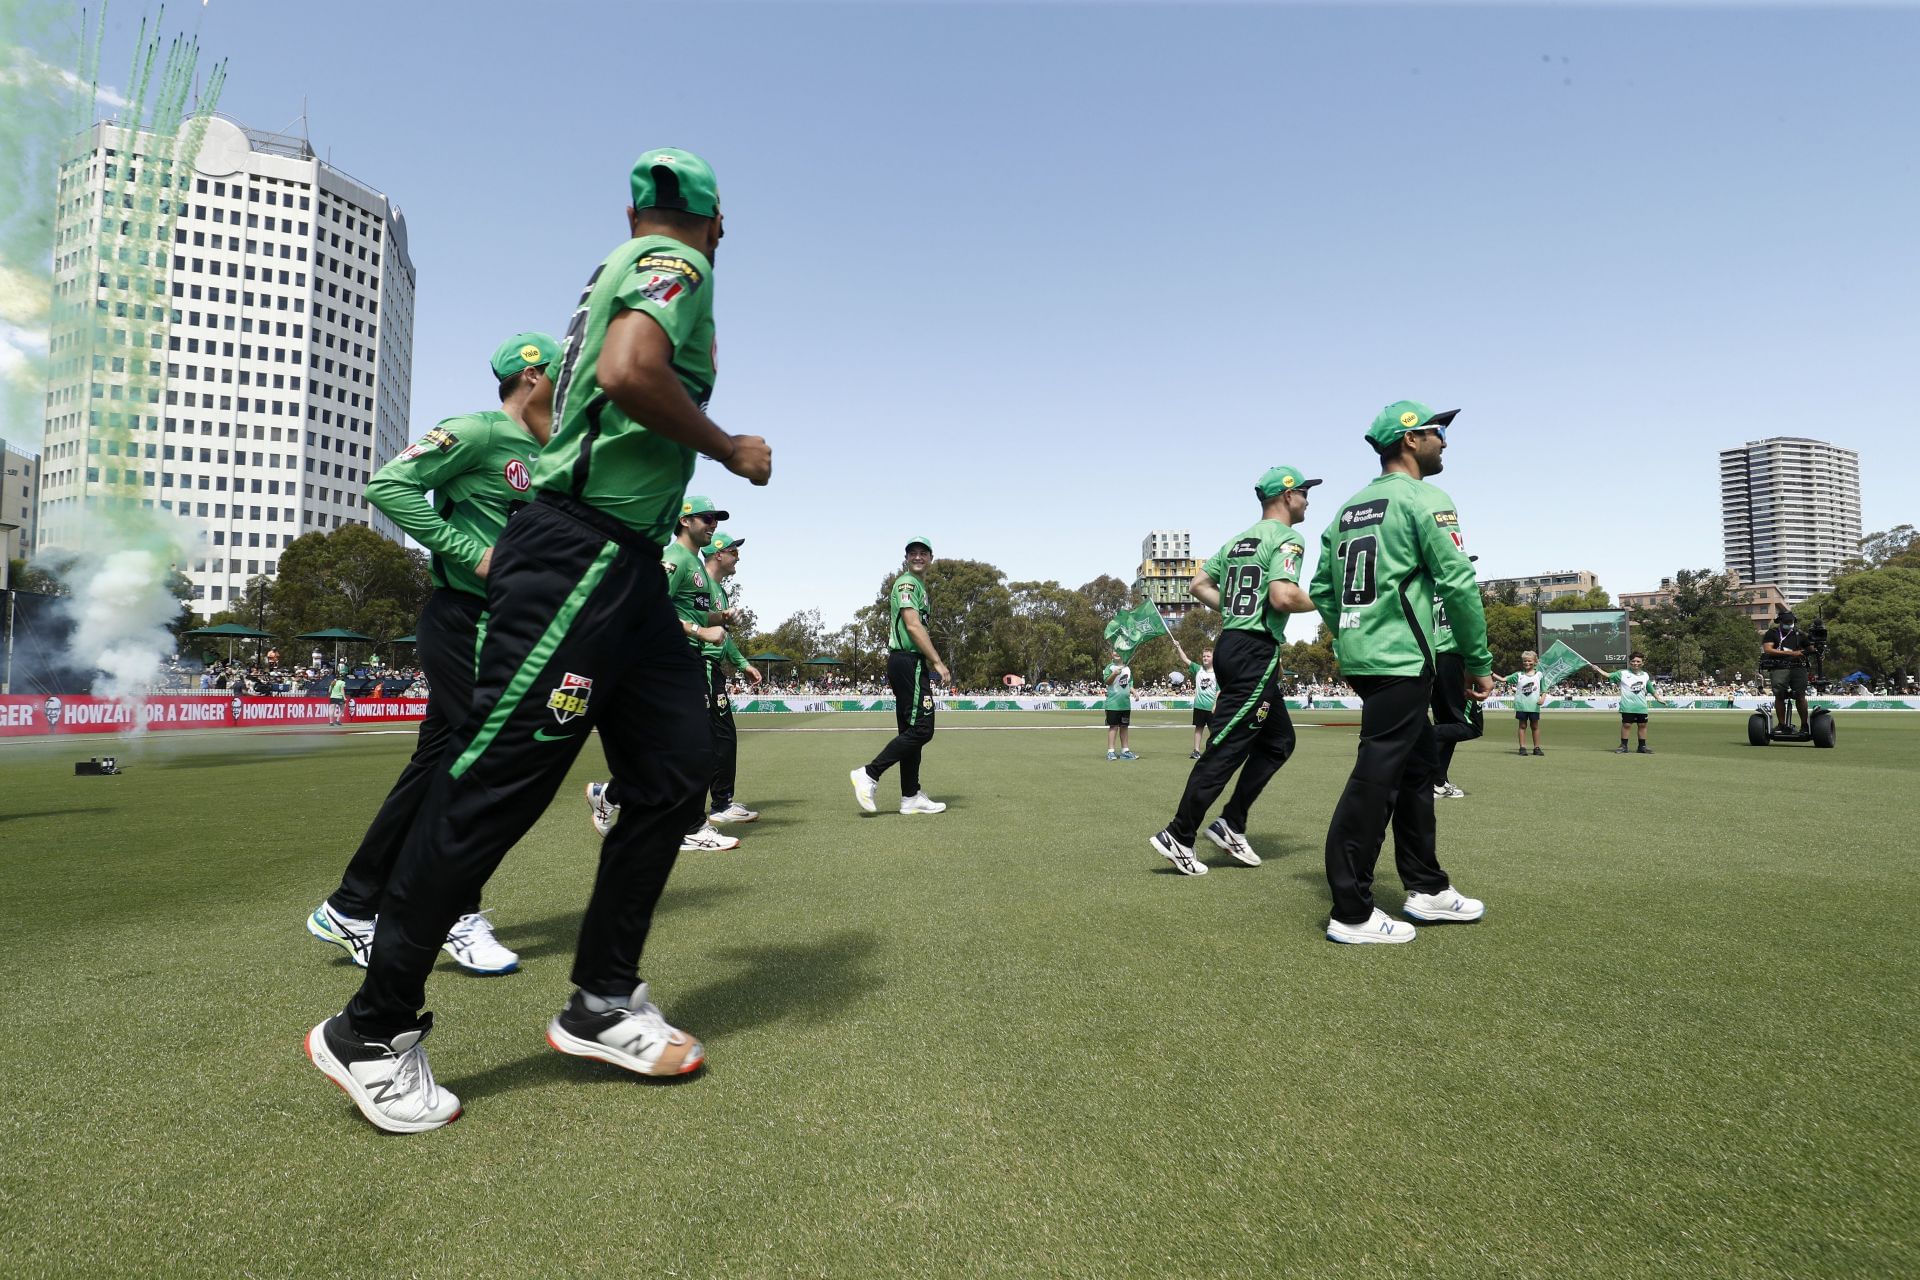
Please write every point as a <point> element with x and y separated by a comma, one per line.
<point>1819,729</point>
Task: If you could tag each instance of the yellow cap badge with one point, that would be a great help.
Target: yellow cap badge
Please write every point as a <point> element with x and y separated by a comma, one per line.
<point>1409,419</point>
<point>686,508</point>
<point>530,353</point>
<point>1288,481</point>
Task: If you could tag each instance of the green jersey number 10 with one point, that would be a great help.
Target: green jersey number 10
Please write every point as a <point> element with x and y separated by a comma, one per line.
<point>1358,557</point>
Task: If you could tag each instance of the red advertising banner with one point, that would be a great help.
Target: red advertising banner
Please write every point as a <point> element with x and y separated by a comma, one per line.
<point>37,715</point>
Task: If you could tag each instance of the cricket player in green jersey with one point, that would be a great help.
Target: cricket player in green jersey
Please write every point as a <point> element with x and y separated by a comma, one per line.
<point>1394,546</point>
<point>580,635</point>
<point>1118,704</point>
<point>723,560</point>
<point>1254,581</point>
<point>1636,690</point>
<point>1206,684</point>
<point>1528,685</point>
<point>912,666</point>
<point>479,468</point>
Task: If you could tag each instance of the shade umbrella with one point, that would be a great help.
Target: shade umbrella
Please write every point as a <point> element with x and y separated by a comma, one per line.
<point>406,640</point>
<point>337,635</point>
<point>229,631</point>
<point>824,660</point>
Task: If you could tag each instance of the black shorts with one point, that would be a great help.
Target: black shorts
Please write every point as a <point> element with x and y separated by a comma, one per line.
<point>1527,717</point>
<point>1202,717</point>
<point>1633,717</point>
<point>1119,719</point>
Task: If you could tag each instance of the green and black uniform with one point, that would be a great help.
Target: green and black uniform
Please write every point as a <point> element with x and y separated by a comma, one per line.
<point>1456,717</point>
<point>580,635</point>
<point>911,679</point>
<point>693,592</point>
<point>1249,725</point>
<point>1391,549</point>
<point>478,467</point>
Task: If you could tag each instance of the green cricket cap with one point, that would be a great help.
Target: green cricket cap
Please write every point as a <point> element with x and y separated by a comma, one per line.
<point>917,541</point>
<point>669,178</point>
<point>1279,480</point>
<point>697,504</point>
<point>524,351</point>
<point>722,542</point>
<point>1401,417</point>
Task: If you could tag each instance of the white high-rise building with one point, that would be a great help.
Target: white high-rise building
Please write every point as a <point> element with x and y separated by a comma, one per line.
<point>1789,512</point>
<point>236,347</point>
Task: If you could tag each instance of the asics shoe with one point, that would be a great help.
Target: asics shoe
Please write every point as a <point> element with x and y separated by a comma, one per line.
<point>1448,904</point>
<point>707,840</point>
<point>604,814</point>
<point>734,812</point>
<point>1232,841</point>
<point>919,803</point>
<point>1379,927</point>
<point>353,935</point>
<point>389,1081</point>
<point>635,1036</point>
<point>864,787</point>
<point>474,948</point>
<point>1178,854</point>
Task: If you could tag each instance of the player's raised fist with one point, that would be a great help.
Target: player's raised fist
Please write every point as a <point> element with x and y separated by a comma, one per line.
<point>751,459</point>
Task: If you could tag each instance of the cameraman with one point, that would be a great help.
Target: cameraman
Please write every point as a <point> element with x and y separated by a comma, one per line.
<point>1783,655</point>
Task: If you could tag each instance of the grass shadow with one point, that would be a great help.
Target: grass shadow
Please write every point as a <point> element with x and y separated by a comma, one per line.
<point>48,813</point>
<point>556,934</point>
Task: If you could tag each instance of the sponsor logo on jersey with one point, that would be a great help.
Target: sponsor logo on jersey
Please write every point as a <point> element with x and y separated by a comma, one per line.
<point>518,477</point>
<point>1445,519</point>
<point>699,579</point>
<point>662,264</point>
<point>570,698</point>
<point>1364,514</point>
<point>1243,548</point>
<point>1290,559</point>
<point>662,289</point>
<point>439,438</point>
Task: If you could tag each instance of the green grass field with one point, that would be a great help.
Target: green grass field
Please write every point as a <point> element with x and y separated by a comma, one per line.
<point>1003,1041</point>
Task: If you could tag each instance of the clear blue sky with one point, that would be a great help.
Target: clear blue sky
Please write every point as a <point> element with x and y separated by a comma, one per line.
<point>1034,279</point>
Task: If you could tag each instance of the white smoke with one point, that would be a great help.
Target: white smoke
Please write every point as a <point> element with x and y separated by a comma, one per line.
<point>121,602</point>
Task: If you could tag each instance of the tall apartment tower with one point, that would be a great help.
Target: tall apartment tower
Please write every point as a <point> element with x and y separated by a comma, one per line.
<point>232,343</point>
<point>1789,512</point>
<point>1166,567</point>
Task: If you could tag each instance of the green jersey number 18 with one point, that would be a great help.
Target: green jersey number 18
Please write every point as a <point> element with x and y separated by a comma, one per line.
<point>1242,596</point>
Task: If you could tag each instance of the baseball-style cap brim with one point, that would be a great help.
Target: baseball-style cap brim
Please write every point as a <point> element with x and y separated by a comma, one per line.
<point>1278,480</point>
<point>1403,416</point>
<point>524,351</point>
<point>920,542</point>
<point>724,542</point>
<point>669,178</point>
<point>701,505</point>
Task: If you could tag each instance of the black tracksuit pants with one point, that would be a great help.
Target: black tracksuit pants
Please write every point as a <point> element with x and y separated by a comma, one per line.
<point>726,741</point>
<point>1456,718</point>
<point>1393,781</point>
<point>912,687</point>
<point>1249,727</point>
<point>447,643</point>
<point>580,634</point>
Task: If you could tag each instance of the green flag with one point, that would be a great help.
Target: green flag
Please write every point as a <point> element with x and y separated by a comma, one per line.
<point>1557,663</point>
<point>1133,627</point>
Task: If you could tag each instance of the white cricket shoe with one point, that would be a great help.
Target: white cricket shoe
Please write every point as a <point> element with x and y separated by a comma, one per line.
<point>735,812</point>
<point>864,787</point>
<point>604,814</point>
<point>1178,854</point>
<point>354,936</point>
<point>919,803</point>
<point>1448,904</point>
<point>390,1082</point>
<point>707,840</point>
<point>474,948</point>
<point>1380,927</point>
<point>1232,841</point>
<point>635,1036</point>
<point>1447,791</point>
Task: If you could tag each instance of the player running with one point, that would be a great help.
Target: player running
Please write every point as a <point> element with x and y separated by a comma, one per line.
<point>1394,545</point>
<point>580,635</point>
<point>1254,581</point>
<point>912,666</point>
<point>478,466</point>
<point>1636,690</point>
<point>1118,704</point>
<point>723,559</point>
<point>1528,684</point>
<point>1205,685</point>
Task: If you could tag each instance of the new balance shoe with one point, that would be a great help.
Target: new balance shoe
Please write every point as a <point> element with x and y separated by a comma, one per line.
<point>474,948</point>
<point>634,1035</point>
<point>864,787</point>
<point>1448,904</point>
<point>919,803</point>
<point>604,814</point>
<point>1128,755</point>
<point>1178,854</point>
<point>1379,927</point>
<point>1232,841</point>
<point>734,812</point>
<point>1447,791</point>
<point>354,936</point>
<point>389,1081</point>
<point>707,840</point>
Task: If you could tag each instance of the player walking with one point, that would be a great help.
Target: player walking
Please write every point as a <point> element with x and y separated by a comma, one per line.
<point>479,467</point>
<point>1393,546</point>
<point>1636,690</point>
<point>580,635</point>
<point>1254,581</point>
<point>1528,684</point>
<point>912,666</point>
<point>1118,677</point>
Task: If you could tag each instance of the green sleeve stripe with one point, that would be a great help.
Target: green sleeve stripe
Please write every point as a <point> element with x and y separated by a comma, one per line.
<point>536,659</point>
<point>1253,699</point>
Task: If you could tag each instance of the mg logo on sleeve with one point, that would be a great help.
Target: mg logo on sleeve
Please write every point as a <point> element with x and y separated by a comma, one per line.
<point>570,699</point>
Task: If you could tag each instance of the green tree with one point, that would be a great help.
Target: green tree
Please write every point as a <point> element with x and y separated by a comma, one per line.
<point>1873,621</point>
<point>1510,632</point>
<point>350,577</point>
<point>1700,631</point>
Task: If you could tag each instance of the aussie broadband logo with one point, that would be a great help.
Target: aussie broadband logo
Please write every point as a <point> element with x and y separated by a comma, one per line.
<point>570,699</point>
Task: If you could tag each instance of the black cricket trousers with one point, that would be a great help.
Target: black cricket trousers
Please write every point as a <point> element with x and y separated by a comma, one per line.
<point>448,645</point>
<point>1249,727</point>
<point>580,634</point>
<point>1393,781</point>
<point>912,687</point>
<point>1456,718</point>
